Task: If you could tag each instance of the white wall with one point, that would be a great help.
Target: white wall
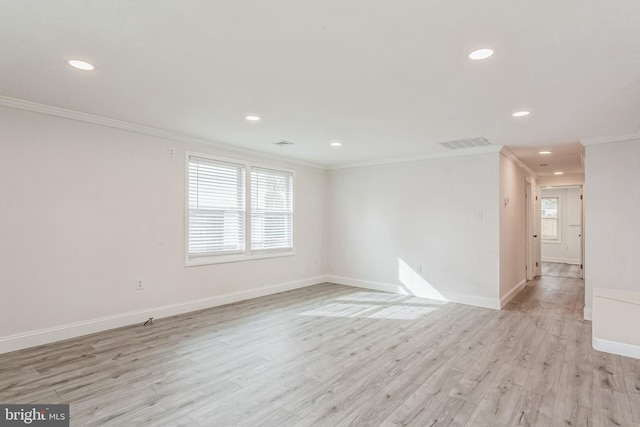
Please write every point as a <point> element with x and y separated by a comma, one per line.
<point>567,249</point>
<point>611,209</point>
<point>512,229</point>
<point>615,315</point>
<point>86,209</point>
<point>410,227</point>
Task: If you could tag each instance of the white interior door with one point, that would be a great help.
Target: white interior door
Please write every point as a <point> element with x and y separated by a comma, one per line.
<point>532,224</point>
<point>529,198</point>
<point>537,240</point>
<point>582,232</point>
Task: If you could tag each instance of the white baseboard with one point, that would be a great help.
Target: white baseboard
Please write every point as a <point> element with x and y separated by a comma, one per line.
<point>512,293</point>
<point>614,347</point>
<point>399,289</point>
<point>74,330</point>
<point>587,314</point>
<point>376,286</point>
<point>562,260</point>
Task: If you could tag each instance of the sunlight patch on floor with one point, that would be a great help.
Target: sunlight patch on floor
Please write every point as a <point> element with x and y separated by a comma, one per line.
<point>402,312</point>
<point>341,310</point>
<point>370,311</point>
<point>373,297</point>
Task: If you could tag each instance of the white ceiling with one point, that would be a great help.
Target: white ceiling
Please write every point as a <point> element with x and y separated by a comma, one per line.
<point>389,79</point>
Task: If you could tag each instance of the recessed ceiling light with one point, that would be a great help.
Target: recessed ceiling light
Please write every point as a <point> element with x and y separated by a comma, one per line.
<point>558,173</point>
<point>521,113</point>
<point>81,65</point>
<point>252,118</point>
<point>544,152</point>
<point>479,54</point>
<point>336,143</point>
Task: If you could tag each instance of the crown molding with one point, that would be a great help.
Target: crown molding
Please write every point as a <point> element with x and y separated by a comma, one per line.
<point>34,107</point>
<point>509,155</point>
<point>453,153</point>
<point>609,138</point>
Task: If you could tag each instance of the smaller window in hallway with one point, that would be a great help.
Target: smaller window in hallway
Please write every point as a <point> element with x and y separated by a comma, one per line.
<point>550,218</point>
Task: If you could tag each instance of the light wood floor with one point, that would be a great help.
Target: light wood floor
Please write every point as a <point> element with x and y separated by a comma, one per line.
<point>332,355</point>
<point>558,269</point>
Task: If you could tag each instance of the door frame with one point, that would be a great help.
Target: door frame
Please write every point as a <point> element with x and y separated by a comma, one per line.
<point>532,225</point>
<point>582,231</point>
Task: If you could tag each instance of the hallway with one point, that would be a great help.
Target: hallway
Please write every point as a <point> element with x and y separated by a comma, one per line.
<point>559,269</point>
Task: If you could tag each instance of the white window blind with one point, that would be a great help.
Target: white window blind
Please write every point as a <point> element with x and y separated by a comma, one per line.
<point>271,209</point>
<point>216,207</point>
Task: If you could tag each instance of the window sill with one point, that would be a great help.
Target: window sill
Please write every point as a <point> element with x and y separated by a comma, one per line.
<point>222,259</point>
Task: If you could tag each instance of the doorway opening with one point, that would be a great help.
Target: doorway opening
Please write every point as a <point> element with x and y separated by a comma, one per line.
<point>561,231</point>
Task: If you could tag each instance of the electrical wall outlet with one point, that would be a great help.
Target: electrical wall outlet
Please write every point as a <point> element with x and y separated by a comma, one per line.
<point>139,285</point>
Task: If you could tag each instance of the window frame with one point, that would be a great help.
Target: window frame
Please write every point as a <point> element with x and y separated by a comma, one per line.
<point>558,238</point>
<point>248,254</point>
<point>265,212</point>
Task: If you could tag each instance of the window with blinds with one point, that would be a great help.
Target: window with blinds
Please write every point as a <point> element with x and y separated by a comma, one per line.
<point>271,209</point>
<point>236,210</point>
<point>216,193</point>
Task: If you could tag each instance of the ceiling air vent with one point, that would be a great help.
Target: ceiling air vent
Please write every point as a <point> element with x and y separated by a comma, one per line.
<point>283,143</point>
<point>465,143</point>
